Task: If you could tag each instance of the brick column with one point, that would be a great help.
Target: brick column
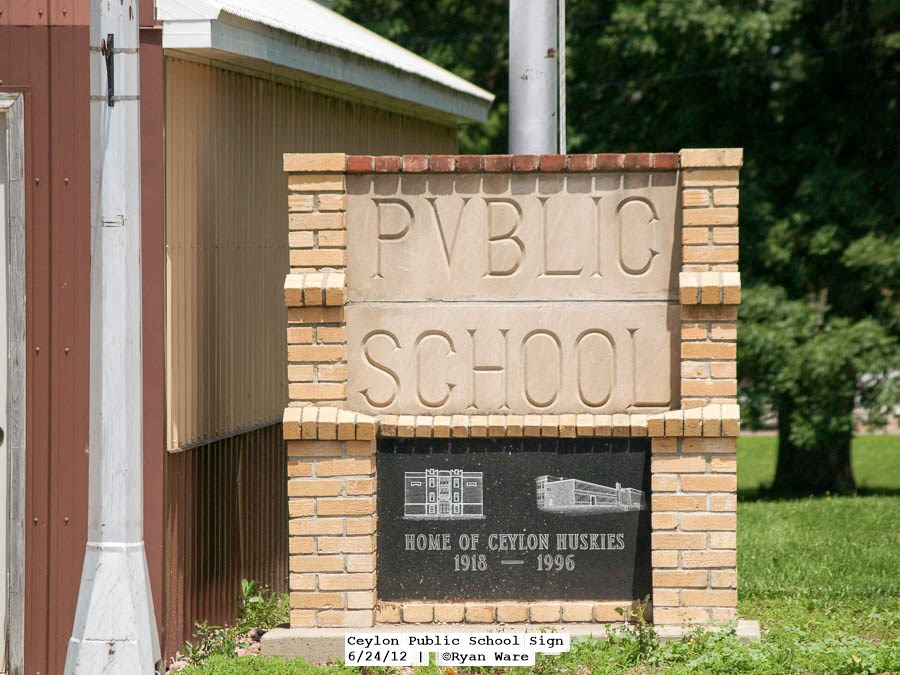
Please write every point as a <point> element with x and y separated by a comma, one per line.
<point>331,462</point>
<point>710,285</point>
<point>694,479</point>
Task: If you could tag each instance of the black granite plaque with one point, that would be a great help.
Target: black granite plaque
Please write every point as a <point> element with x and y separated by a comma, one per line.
<point>524,519</point>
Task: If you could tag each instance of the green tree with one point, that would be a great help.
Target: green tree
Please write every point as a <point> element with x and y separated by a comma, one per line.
<point>813,369</point>
<point>810,89</point>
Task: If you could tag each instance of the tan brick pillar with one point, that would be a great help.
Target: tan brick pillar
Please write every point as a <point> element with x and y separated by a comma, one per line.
<point>694,478</point>
<point>710,286</point>
<point>331,462</point>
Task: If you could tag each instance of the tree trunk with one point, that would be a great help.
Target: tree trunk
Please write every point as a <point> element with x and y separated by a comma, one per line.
<point>822,467</point>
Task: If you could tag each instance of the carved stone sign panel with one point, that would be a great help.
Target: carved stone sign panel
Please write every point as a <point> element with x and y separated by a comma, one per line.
<point>568,519</point>
<point>440,358</point>
<point>512,293</point>
<point>511,237</point>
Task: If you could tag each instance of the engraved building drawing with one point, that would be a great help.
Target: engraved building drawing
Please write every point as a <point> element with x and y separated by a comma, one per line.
<point>572,496</point>
<point>440,494</point>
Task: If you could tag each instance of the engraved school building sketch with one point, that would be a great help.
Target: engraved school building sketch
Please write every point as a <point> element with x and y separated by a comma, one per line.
<point>438,494</point>
<point>573,497</point>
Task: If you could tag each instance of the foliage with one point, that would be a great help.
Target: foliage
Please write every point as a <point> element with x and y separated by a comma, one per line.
<point>810,89</point>
<point>795,350</point>
<point>814,369</point>
<point>258,609</point>
<point>211,641</point>
<point>637,641</point>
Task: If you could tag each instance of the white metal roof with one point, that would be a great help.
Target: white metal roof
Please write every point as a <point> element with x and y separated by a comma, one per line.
<point>305,36</point>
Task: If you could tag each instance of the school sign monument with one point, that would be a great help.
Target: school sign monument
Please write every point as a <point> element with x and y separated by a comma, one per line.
<point>512,388</point>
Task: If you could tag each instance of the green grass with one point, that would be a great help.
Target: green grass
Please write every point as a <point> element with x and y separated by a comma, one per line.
<point>822,575</point>
<point>828,564</point>
<point>251,665</point>
<point>825,564</point>
<point>876,463</point>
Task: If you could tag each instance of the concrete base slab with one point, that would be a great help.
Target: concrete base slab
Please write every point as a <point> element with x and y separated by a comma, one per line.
<point>746,630</point>
<point>315,645</point>
<point>324,645</point>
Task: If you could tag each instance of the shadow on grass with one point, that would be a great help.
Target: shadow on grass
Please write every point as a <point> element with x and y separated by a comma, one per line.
<point>768,494</point>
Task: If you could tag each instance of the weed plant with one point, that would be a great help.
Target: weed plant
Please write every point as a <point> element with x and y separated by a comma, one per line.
<point>258,609</point>
<point>261,609</point>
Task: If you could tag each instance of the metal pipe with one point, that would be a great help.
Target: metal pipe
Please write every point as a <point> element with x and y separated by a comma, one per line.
<point>533,74</point>
<point>561,41</point>
<point>115,627</point>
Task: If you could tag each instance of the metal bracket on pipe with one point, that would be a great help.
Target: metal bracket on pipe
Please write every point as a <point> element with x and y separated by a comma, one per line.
<point>107,48</point>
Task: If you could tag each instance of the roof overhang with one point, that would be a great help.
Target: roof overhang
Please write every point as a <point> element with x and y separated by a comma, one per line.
<point>334,54</point>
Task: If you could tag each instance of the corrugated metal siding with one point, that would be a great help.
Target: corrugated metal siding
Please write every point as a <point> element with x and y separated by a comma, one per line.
<point>226,520</point>
<point>227,254</point>
<point>226,220</point>
<point>44,12</point>
<point>50,65</point>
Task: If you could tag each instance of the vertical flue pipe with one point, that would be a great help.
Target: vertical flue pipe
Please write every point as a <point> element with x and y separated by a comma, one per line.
<point>115,628</point>
<point>561,52</point>
<point>533,77</point>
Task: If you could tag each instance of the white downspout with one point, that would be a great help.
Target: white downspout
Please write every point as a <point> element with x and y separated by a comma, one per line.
<point>115,628</point>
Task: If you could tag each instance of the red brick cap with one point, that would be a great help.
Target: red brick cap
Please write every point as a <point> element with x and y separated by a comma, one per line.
<point>580,162</point>
<point>497,163</point>
<point>387,164</point>
<point>414,163</point>
<point>635,161</point>
<point>469,163</point>
<point>607,162</point>
<point>665,161</point>
<point>553,162</point>
<point>525,162</point>
<point>443,163</point>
